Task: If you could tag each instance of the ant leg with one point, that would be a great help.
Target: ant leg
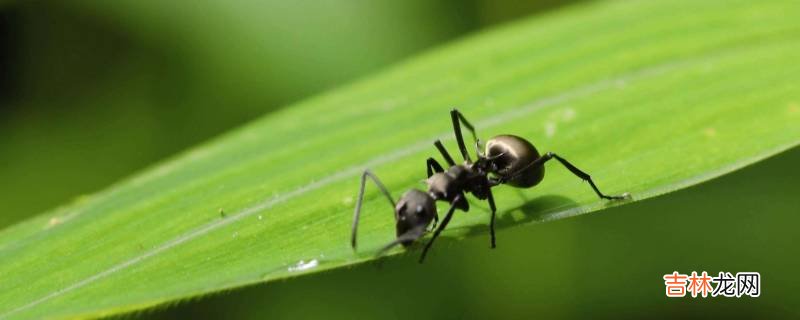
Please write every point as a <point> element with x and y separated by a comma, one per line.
<point>583,175</point>
<point>410,235</point>
<point>441,227</point>
<point>435,222</point>
<point>536,163</point>
<point>433,166</point>
<point>459,119</point>
<point>357,212</point>
<point>478,149</point>
<point>494,211</point>
<point>444,152</point>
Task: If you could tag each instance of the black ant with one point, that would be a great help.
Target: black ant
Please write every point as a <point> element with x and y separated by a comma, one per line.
<point>508,159</point>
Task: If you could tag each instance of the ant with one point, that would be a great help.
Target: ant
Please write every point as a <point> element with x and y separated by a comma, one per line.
<point>508,159</point>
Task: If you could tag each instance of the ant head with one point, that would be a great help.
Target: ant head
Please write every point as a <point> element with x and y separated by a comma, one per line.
<point>415,209</point>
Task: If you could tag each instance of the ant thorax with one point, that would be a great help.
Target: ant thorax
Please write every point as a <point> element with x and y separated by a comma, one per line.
<point>476,179</point>
<point>442,186</point>
<point>457,180</point>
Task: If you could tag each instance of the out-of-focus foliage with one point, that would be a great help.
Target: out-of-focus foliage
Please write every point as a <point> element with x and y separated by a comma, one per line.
<point>92,90</point>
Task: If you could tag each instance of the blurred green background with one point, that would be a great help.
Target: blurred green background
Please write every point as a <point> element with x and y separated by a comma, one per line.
<point>92,91</point>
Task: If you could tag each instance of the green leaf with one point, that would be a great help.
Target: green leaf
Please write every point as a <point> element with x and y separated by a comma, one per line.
<point>647,96</point>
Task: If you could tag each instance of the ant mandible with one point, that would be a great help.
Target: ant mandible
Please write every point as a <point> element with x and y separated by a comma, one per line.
<point>508,159</point>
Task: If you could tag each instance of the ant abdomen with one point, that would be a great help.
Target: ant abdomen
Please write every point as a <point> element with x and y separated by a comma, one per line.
<point>512,156</point>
